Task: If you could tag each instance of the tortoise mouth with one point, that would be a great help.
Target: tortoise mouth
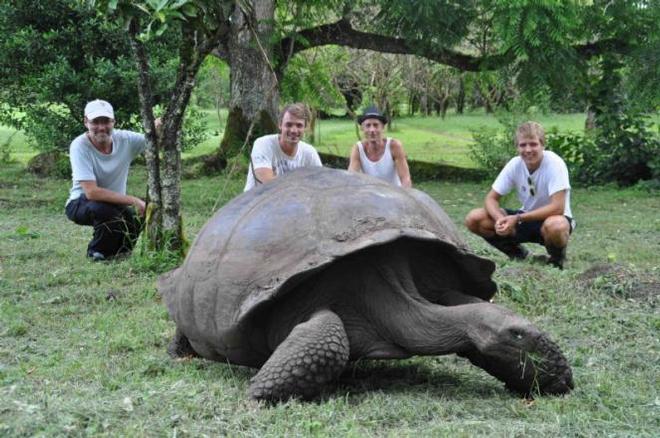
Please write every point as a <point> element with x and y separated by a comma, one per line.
<point>544,370</point>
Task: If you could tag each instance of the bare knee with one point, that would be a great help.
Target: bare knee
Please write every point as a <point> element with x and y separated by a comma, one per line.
<point>478,221</point>
<point>556,230</point>
<point>472,220</point>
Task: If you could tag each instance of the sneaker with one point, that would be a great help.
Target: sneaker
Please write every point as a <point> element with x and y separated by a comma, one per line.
<point>510,247</point>
<point>557,256</point>
<point>96,256</point>
<point>556,262</point>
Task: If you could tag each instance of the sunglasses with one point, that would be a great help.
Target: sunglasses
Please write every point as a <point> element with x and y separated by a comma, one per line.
<point>532,188</point>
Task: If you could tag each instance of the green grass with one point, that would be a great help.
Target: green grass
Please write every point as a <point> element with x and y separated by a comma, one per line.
<point>15,141</point>
<point>82,345</point>
<point>431,139</point>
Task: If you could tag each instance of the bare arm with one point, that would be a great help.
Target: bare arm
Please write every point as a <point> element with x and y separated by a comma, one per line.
<point>264,174</point>
<point>401,163</point>
<point>554,208</point>
<point>492,205</point>
<point>506,224</point>
<point>354,164</point>
<point>95,193</point>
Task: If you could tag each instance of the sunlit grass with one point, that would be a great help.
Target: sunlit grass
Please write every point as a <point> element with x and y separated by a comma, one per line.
<point>432,138</point>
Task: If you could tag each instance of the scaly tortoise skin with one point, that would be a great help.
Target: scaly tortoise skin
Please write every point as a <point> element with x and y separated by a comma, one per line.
<point>321,267</point>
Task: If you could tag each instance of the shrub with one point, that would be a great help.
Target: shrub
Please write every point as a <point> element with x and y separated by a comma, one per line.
<point>572,147</point>
<point>491,150</point>
<point>622,150</point>
<point>625,151</point>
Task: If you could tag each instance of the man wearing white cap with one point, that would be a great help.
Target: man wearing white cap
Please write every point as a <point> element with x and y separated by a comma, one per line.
<point>100,159</point>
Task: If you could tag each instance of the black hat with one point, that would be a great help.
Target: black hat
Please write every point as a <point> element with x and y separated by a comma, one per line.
<point>371,113</point>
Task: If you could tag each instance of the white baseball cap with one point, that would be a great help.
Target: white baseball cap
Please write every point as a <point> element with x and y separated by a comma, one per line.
<point>99,108</point>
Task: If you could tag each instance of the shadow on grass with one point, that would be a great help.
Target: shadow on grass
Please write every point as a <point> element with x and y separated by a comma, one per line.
<point>412,376</point>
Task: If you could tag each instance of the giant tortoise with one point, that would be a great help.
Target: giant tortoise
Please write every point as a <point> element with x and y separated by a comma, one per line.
<point>321,267</point>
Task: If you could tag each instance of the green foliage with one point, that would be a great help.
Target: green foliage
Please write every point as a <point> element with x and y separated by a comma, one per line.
<point>626,151</point>
<point>430,23</point>
<point>573,147</point>
<point>491,150</point>
<point>162,16</point>
<point>5,148</point>
<point>53,163</point>
<point>57,55</point>
<point>195,129</point>
<point>308,78</point>
<point>212,88</point>
<point>494,147</point>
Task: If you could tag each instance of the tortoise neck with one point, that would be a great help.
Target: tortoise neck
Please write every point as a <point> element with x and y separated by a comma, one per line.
<point>438,330</point>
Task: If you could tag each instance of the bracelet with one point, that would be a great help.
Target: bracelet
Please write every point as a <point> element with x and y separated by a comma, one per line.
<point>519,217</point>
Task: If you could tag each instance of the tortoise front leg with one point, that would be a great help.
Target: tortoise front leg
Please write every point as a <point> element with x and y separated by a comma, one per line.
<point>180,347</point>
<point>314,353</point>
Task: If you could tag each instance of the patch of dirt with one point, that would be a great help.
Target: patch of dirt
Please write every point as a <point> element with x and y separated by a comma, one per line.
<point>621,281</point>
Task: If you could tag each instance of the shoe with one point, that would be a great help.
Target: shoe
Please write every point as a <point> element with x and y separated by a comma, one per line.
<point>510,247</point>
<point>557,256</point>
<point>96,256</point>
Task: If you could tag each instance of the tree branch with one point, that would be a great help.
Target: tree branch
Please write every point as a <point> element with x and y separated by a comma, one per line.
<point>342,33</point>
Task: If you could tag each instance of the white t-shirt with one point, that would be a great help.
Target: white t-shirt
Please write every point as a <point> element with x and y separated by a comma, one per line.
<point>110,171</point>
<point>550,178</point>
<point>267,153</point>
<point>384,168</point>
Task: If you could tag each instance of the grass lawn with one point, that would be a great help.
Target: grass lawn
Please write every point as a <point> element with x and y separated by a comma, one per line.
<point>82,345</point>
<point>15,142</point>
<point>431,139</point>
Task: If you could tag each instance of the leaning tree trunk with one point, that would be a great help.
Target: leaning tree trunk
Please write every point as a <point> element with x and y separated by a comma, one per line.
<point>191,55</point>
<point>254,97</point>
<point>164,224</point>
<point>153,218</point>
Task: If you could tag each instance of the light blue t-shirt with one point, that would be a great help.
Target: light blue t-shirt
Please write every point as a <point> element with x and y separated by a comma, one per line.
<point>109,171</point>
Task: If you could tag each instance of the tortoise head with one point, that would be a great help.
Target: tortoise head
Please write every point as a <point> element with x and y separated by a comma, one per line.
<point>514,351</point>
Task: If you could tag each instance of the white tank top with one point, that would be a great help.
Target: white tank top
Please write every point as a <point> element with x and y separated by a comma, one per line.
<point>383,168</point>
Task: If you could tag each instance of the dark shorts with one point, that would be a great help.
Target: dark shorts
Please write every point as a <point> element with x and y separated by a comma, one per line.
<point>531,231</point>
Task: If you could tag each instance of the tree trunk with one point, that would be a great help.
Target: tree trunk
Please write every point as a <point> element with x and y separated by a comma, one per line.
<point>460,99</point>
<point>153,217</point>
<point>253,104</point>
<point>193,50</point>
<point>164,225</point>
<point>444,106</point>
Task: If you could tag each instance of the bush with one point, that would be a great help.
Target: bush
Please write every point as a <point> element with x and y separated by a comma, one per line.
<point>622,150</point>
<point>195,129</point>
<point>573,148</point>
<point>55,56</point>
<point>625,151</point>
<point>491,150</point>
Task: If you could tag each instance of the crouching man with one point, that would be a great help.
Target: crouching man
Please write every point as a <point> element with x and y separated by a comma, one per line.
<point>540,179</point>
<point>100,159</point>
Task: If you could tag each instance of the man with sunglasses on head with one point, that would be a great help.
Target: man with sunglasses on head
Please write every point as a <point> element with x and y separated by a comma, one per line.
<point>100,159</point>
<point>540,179</point>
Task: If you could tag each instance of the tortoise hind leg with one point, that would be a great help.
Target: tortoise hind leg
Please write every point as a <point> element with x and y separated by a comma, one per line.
<point>180,346</point>
<point>314,353</point>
